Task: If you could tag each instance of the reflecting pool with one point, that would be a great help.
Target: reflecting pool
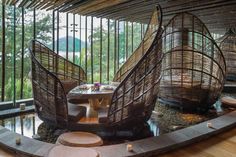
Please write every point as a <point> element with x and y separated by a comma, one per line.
<point>163,120</point>
<point>28,125</point>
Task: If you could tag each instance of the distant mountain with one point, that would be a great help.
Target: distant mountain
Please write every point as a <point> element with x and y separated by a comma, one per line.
<point>62,44</point>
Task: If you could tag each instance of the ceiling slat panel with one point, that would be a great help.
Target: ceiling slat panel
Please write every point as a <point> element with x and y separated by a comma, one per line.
<point>218,15</point>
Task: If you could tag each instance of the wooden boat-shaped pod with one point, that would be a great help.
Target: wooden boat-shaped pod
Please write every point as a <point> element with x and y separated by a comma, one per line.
<point>228,47</point>
<point>193,67</point>
<point>49,71</point>
<point>154,28</point>
<point>134,99</point>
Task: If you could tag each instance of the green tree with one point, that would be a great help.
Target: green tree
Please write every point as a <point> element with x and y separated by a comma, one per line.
<point>43,31</point>
<point>122,49</point>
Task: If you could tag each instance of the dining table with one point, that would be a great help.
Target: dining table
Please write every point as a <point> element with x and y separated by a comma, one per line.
<point>97,98</point>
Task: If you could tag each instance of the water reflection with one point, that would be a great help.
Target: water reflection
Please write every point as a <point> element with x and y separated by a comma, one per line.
<point>154,127</point>
<point>28,125</point>
<point>25,125</point>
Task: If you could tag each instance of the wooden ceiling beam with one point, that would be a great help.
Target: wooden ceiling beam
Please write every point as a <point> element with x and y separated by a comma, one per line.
<point>44,2</point>
<point>13,2</point>
<point>166,12</point>
<point>31,4</point>
<point>200,8</point>
<point>165,5</point>
<point>138,7</point>
<point>58,4</point>
<point>22,3</point>
<point>118,13</point>
<point>97,6</point>
<point>71,5</point>
<point>126,6</point>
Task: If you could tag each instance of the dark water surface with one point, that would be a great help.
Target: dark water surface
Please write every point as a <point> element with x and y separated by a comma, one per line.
<point>28,125</point>
<point>163,120</point>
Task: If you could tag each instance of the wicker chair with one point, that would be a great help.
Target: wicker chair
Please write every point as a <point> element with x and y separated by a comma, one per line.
<point>193,67</point>
<point>135,97</point>
<point>154,28</point>
<point>48,69</point>
<point>228,47</point>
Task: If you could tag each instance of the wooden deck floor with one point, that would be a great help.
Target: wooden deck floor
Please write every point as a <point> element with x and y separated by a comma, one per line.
<point>5,153</point>
<point>222,145</point>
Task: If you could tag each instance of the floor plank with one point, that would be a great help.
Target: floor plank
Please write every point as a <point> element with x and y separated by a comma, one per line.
<point>6,153</point>
<point>222,145</point>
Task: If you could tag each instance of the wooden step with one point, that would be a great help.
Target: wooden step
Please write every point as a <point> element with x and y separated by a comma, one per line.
<point>228,101</point>
<point>79,139</point>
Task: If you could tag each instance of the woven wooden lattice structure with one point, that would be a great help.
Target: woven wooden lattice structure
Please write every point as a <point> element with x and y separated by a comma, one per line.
<point>153,28</point>
<point>58,65</point>
<point>48,70</point>
<point>228,47</point>
<point>135,97</point>
<point>193,66</point>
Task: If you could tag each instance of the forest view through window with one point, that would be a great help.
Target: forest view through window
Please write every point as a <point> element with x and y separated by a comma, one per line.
<point>100,46</point>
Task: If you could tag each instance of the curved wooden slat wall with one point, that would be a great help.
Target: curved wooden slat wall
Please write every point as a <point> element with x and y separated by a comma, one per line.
<point>228,47</point>
<point>135,97</point>
<point>154,28</point>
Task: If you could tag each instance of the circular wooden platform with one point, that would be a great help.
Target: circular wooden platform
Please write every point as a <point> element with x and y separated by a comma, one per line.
<point>65,151</point>
<point>79,139</point>
<point>228,101</point>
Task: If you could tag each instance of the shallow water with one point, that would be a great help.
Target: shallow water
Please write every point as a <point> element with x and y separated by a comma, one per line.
<point>28,125</point>
<point>163,120</point>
